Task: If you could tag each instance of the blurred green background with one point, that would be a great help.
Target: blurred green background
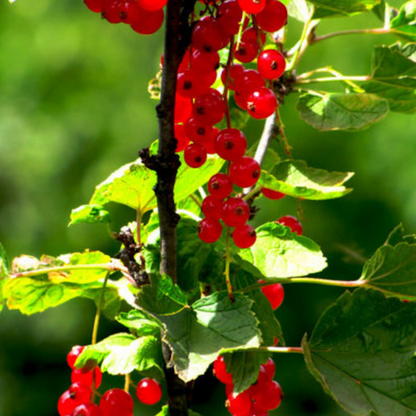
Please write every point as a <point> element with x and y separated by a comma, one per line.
<point>74,107</point>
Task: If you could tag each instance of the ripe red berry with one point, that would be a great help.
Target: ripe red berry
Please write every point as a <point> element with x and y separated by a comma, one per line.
<point>110,11</point>
<point>209,230</point>
<point>252,6</point>
<point>183,108</point>
<point>234,71</point>
<point>212,207</point>
<point>220,185</point>
<point>209,108</point>
<point>239,404</point>
<point>246,51</point>
<point>147,23</point>
<point>271,64</point>
<point>291,222</point>
<point>230,144</point>
<point>270,194</point>
<point>205,62</point>
<point>181,137</point>
<point>149,391</point>
<point>67,403</point>
<point>87,377</point>
<point>251,34</point>
<point>245,172</point>
<point>116,402</point>
<point>196,131</point>
<point>269,397</point>
<point>207,35</point>
<point>95,6</point>
<point>72,356</point>
<point>261,103</point>
<point>89,409</point>
<point>195,155</point>
<point>190,83</point>
<point>229,16</point>
<point>244,236</point>
<point>235,212</point>
<point>274,293</point>
<point>152,5</point>
<point>273,17</point>
<point>221,372</point>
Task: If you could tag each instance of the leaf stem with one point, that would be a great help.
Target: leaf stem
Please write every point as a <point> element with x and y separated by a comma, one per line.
<point>127,382</point>
<point>337,78</point>
<point>227,265</point>
<point>98,312</point>
<point>378,31</point>
<point>285,350</point>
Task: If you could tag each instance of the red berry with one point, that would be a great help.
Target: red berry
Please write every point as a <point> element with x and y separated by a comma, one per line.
<point>205,62</point>
<point>235,212</point>
<point>246,51</point>
<point>67,403</point>
<point>269,193</point>
<point>253,35</point>
<point>234,71</point>
<point>72,356</point>
<point>252,6</point>
<point>292,223</point>
<point>195,155</point>
<point>87,377</point>
<point>239,404</point>
<point>183,108</point>
<point>270,368</point>
<point>190,83</point>
<point>149,391</point>
<point>271,64</point>
<point>245,172</point>
<point>196,131</point>
<point>209,143</point>
<point>244,236</point>
<point>212,207</point>
<point>273,17</point>
<point>89,409</point>
<point>230,144</point>
<point>95,6</point>
<point>181,137</point>
<point>261,103</point>
<point>269,397</point>
<point>229,16</point>
<point>147,22</point>
<point>274,293</point>
<point>209,108</point>
<point>220,185</point>
<point>152,5</point>
<point>209,230</point>
<point>111,11</point>
<point>116,402</point>
<point>221,372</point>
<point>207,35</point>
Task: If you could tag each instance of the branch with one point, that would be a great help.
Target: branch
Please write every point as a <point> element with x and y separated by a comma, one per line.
<point>378,31</point>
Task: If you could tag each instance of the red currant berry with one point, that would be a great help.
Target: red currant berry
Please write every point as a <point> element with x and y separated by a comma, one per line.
<point>207,35</point>
<point>271,64</point>
<point>231,144</point>
<point>95,6</point>
<point>129,11</point>
<point>209,108</point>
<point>270,368</point>
<point>253,35</point>
<point>116,402</point>
<point>229,16</point>
<point>246,51</point>
<point>269,397</point>
<point>197,131</point>
<point>149,391</point>
<point>110,11</point>
<point>234,71</point>
<point>252,6</point>
<point>209,230</point>
<point>239,404</point>
<point>181,137</point>
<point>235,212</point>
<point>245,172</point>
<point>195,155</point>
<point>72,356</point>
<point>273,17</point>
<point>292,223</point>
<point>212,207</point>
<point>81,391</point>
<point>244,236</point>
<point>183,108</point>
<point>67,403</point>
<point>205,62</point>
<point>87,377</point>
<point>191,84</point>
<point>147,22</point>
<point>270,194</point>
<point>209,143</point>
<point>89,409</point>
<point>152,5</point>
<point>220,186</point>
<point>274,293</point>
<point>221,372</point>
<point>261,103</point>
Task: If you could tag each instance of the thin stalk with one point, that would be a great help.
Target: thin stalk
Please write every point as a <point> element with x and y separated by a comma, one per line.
<point>331,79</point>
<point>288,147</point>
<point>138,226</point>
<point>98,312</point>
<point>284,350</point>
<point>227,265</point>
<point>227,80</point>
<point>269,132</point>
<point>127,382</point>
<point>378,31</point>
<point>196,200</point>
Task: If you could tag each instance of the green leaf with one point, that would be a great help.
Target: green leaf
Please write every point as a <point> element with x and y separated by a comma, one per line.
<point>300,10</point>
<point>4,263</point>
<point>398,235</point>
<point>331,8</point>
<point>165,412</point>
<point>362,352</point>
<point>123,353</point>
<point>89,214</point>
<point>141,322</point>
<point>404,24</point>
<point>278,252</point>
<point>334,111</point>
<point>239,117</point>
<point>393,76</point>
<point>161,297</point>
<point>198,333</point>
<point>393,270</point>
<point>132,184</point>
<point>296,179</point>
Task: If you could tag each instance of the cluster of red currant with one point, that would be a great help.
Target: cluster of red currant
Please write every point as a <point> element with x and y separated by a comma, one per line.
<point>199,107</point>
<point>78,399</point>
<point>143,16</point>
<point>264,395</point>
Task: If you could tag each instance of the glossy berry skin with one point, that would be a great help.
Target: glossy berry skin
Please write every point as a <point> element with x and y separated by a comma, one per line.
<point>220,185</point>
<point>270,194</point>
<point>95,6</point>
<point>239,404</point>
<point>147,22</point>
<point>252,6</point>
<point>152,5</point>
<point>183,108</point>
<point>209,108</point>
<point>270,368</point>
<point>221,372</point>
<point>149,391</point>
<point>244,236</point>
<point>190,84</point>
<point>207,35</point>
<point>230,144</point>
<point>72,356</point>
<point>197,131</point>
<point>87,377</point>
<point>235,212</point>
<point>212,207</point>
<point>209,230</point>
<point>88,409</point>
<point>195,155</point>
<point>291,222</point>
<point>271,64</point>
<point>116,402</point>
<point>234,71</point>
<point>261,103</point>
<point>229,16</point>
<point>245,172</point>
<point>273,17</point>
<point>205,62</point>
<point>181,137</point>
<point>67,403</point>
<point>246,51</point>
<point>274,293</point>
<point>268,398</point>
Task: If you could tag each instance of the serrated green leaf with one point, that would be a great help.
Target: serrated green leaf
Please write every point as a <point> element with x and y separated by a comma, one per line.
<point>278,252</point>
<point>89,214</point>
<point>398,235</point>
<point>404,24</point>
<point>123,353</point>
<point>296,179</point>
<point>198,333</point>
<point>330,8</point>
<point>392,270</point>
<point>362,353</point>
<point>140,321</point>
<point>132,184</point>
<point>300,10</point>
<point>161,297</point>
<point>335,111</point>
<point>393,76</point>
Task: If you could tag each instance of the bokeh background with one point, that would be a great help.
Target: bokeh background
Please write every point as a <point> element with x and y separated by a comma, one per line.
<point>74,107</point>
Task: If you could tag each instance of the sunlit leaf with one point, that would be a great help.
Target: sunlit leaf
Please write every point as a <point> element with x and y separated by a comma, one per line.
<point>330,8</point>
<point>89,214</point>
<point>404,24</point>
